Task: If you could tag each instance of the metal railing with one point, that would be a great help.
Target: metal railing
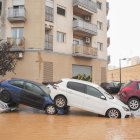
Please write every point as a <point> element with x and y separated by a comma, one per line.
<point>84,50</point>
<point>16,43</point>
<point>16,12</point>
<point>88,4</point>
<point>85,26</point>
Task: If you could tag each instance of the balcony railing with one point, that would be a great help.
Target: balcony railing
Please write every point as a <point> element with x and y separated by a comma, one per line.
<point>16,14</point>
<point>17,44</point>
<point>49,42</point>
<point>84,51</point>
<point>86,4</point>
<point>86,28</point>
<point>49,14</point>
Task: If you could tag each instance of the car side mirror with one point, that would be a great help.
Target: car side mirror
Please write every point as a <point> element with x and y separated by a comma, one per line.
<point>103,97</point>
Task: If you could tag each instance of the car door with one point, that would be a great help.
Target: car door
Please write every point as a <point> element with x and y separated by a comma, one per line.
<point>95,101</point>
<point>76,93</point>
<point>32,95</point>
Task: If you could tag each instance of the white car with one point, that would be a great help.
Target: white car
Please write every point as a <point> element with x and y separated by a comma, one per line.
<point>88,96</point>
<point>5,108</point>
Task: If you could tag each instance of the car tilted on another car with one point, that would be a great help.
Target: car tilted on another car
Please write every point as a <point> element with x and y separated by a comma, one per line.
<point>130,94</point>
<point>88,96</point>
<point>33,94</point>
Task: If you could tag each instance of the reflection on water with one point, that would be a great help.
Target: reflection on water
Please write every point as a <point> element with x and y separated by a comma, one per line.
<point>28,124</point>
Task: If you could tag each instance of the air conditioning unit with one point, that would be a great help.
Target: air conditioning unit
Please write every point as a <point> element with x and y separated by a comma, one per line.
<point>19,55</point>
<point>87,18</point>
<point>87,40</point>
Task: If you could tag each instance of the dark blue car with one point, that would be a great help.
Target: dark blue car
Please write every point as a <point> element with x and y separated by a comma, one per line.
<point>30,93</point>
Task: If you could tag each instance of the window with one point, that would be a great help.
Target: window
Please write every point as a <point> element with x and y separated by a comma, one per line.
<point>100,46</point>
<point>77,86</point>
<point>138,86</point>
<point>17,83</point>
<point>94,92</point>
<point>99,25</point>
<point>61,11</point>
<point>61,37</point>
<point>99,5</point>
<point>0,7</point>
<point>17,32</point>
<point>34,89</point>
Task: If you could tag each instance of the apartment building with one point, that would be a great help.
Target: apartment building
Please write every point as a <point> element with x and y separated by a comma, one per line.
<point>54,39</point>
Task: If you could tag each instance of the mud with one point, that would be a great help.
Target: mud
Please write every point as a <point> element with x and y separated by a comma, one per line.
<point>31,124</point>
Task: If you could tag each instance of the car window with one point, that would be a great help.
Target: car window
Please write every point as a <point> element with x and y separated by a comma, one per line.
<point>94,92</point>
<point>33,88</point>
<point>76,86</point>
<point>138,86</point>
<point>17,83</point>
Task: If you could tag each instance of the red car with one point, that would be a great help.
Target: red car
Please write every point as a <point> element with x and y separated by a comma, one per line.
<point>130,94</point>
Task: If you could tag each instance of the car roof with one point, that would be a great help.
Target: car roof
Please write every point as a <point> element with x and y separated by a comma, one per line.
<point>80,81</point>
<point>25,80</point>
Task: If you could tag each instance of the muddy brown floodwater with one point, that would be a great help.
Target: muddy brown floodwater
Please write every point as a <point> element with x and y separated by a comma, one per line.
<point>30,124</point>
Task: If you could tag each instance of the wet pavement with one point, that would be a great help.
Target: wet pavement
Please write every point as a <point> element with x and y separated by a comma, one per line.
<point>31,124</point>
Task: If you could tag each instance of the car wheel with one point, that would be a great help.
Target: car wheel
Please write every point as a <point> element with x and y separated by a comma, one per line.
<point>113,113</point>
<point>60,101</point>
<point>50,109</point>
<point>134,104</point>
<point>5,96</point>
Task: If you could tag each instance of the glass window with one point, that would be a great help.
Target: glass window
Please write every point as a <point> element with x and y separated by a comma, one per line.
<point>138,85</point>
<point>34,89</point>
<point>94,92</point>
<point>99,25</point>
<point>17,83</point>
<point>99,5</point>
<point>61,10</point>
<point>61,37</point>
<point>0,7</point>
<point>77,86</point>
<point>100,46</point>
<point>17,32</point>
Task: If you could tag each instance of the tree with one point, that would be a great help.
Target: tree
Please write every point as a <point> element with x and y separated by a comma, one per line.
<point>7,58</point>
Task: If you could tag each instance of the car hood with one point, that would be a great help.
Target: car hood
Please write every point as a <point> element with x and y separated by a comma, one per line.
<point>117,102</point>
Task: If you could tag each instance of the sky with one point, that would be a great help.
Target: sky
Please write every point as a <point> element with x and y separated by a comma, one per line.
<point>124,31</point>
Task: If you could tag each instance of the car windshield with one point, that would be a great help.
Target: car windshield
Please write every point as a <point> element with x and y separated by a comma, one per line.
<point>127,84</point>
<point>105,93</point>
<point>45,89</point>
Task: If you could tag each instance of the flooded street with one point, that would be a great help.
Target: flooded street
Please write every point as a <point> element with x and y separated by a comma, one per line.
<point>28,124</point>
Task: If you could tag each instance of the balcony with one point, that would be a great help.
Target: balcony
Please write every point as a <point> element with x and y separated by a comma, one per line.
<point>17,44</point>
<point>83,28</point>
<point>16,14</point>
<point>84,51</point>
<point>107,7</point>
<point>108,41</point>
<point>49,42</point>
<point>84,7</point>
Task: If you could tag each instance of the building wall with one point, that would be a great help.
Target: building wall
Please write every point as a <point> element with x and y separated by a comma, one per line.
<point>127,73</point>
<point>58,63</point>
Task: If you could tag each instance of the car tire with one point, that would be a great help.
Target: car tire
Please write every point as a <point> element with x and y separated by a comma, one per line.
<point>134,104</point>
<point>50,110</point>
<point>5,96</point>
<point>60,101</point>
<point>113,113</point>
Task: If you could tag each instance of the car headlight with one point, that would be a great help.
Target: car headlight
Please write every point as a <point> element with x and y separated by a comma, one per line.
<point>126,109</point>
